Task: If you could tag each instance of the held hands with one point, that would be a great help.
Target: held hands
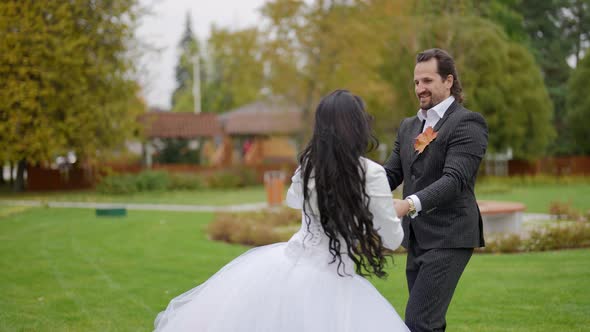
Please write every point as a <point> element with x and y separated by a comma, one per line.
<point>402,207</point>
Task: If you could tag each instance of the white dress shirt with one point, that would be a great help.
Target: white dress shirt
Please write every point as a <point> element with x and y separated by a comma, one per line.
<point>431,117</point>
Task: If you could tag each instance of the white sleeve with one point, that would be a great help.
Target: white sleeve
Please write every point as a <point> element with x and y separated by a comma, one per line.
<point>385,219</point>
<point>417,205</point>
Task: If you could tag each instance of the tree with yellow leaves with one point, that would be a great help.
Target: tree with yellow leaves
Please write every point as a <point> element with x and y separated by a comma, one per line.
<point>66,79</point>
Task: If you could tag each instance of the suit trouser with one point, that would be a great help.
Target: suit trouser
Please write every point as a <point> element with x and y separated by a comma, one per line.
<point>432,276</point>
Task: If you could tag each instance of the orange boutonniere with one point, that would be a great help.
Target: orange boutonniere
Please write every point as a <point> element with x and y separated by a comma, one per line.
<point>424,139</point>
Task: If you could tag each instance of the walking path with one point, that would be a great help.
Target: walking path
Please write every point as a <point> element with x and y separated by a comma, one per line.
<point>140,206</point>
<point>527,217</point>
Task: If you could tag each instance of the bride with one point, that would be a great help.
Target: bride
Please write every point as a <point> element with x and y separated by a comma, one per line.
<point>313,282</point>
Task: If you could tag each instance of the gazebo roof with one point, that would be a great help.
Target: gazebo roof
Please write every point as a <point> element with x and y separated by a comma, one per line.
<point>263,117</point>
<point>162,124</point>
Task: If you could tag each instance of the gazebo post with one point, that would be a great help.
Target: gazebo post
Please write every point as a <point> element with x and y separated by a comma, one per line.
<point>147,151</point>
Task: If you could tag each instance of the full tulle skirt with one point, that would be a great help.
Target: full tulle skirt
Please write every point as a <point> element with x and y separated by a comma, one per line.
<point>281,288</point>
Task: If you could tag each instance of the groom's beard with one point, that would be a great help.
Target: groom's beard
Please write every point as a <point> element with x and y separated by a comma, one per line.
<point>428,101</point>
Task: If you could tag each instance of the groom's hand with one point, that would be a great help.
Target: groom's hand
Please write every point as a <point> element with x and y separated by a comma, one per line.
<point>401,207</point>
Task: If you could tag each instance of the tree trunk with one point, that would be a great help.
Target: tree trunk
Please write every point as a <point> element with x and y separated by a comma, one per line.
<point>19,184</point>
<point>11,176</point>
<point>2,181</point>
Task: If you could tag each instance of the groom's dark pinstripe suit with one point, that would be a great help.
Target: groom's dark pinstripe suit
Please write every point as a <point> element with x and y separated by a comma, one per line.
<point>440,240</point>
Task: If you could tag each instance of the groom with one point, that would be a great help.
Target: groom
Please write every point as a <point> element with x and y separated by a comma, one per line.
<point>436,155</point>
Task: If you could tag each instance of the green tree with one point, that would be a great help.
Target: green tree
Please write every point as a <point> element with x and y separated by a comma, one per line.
<point>505,13</point>
<point>500,79</point>
<point>235,73</point>
<point>555,31</point>
<point>314,48</point>
<point>504,83</point>
<point>188,48</point>
<point>578,107</point>
<point>544,23</point>
<point>576,23</point>
<point>291,49</point>
<point>529,105</point>
<point>66,79</point>
<point>369,47</point>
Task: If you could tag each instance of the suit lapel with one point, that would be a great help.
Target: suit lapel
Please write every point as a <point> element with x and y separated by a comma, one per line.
<point>414,131</point>
<point>450,110</point>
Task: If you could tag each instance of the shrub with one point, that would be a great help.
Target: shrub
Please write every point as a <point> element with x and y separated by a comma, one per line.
<point>220,229</point>
<point>117,184</point>
<point>247,176</point>
<point>223,180</point>
<point>508,243</point>
<point>160,180</point>
<point>564,210</point>
<point>232,178</point>
<point>267,235</point>
<point>132,183</point>
<point>255,228</point>
<point>152,181</point>
<point>185,181</point>
<point>266,227</point>
<point>562,236</point>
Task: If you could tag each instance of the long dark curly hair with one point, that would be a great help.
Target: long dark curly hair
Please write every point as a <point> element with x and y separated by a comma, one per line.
<point>342,134</point>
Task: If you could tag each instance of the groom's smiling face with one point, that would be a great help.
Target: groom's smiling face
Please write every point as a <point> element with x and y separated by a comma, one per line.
<point>430,87</point>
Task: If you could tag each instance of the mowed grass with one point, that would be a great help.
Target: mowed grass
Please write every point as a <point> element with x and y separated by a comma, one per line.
<point>547,291</point>
<point>217,197</point>
<point>537,198</point>
<point>67,270</point>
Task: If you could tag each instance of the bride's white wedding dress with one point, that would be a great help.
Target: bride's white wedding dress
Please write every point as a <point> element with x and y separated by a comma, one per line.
<point>291,286</point>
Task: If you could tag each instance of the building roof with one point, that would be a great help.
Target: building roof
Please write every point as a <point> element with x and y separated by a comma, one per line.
<point>263,117</point>
<point>163,124</point>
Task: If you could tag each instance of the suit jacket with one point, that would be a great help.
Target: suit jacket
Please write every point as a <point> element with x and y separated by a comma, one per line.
<point>443,177</point>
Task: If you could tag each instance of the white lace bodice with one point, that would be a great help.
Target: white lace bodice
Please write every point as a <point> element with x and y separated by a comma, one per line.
<point>312,245</point>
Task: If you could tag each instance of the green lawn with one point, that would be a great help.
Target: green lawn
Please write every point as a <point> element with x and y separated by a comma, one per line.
<point>525,292</point>
<point>537,198</point>
<point>67,270</point>
<point>197,197</point>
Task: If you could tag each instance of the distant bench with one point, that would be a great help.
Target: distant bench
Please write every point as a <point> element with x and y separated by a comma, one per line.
<point>501,217</point>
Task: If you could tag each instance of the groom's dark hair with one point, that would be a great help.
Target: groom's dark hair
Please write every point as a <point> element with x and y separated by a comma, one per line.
<point>446,67</point>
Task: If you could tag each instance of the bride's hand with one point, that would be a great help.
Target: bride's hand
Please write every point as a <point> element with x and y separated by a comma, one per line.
<point>401,207</point>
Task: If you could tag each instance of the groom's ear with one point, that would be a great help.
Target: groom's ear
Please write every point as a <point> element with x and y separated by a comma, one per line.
<point>448,82</point>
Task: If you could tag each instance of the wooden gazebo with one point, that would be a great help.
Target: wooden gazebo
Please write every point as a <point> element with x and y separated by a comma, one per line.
<point>197,127</point>
<point>263,131</point>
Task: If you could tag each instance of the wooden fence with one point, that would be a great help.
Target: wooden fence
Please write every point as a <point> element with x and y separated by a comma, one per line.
<point>557,166</point>
<point>46,179</point>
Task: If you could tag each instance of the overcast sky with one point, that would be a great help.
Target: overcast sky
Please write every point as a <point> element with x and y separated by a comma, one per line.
<point>164,27</point>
